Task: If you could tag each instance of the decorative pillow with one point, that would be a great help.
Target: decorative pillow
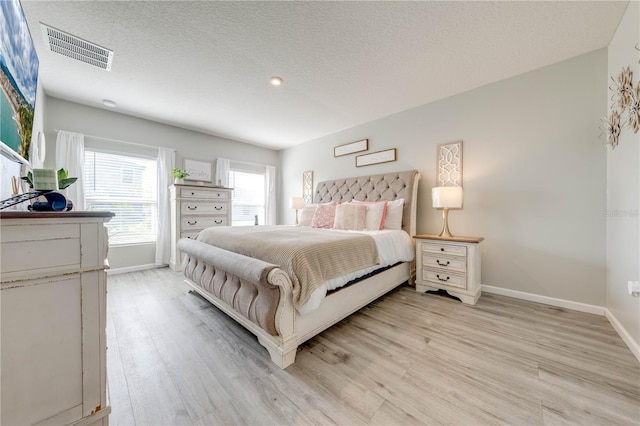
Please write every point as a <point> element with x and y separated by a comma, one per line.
<point>350,217</point>
<point>376,214</point>
<point>393,220</point>
<point>306,214</point>
<point>324,216</point>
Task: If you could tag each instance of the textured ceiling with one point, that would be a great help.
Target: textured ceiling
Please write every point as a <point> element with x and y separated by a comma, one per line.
<point>206,66</point>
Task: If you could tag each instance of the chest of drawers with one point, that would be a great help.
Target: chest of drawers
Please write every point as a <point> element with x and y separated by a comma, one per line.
<point>53,301</point>
<point>451,264</point>
<point>194,208</point>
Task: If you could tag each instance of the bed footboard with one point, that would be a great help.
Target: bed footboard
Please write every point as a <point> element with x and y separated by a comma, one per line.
<point>255,293</point>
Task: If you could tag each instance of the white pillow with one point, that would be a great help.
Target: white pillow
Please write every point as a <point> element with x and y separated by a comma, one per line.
<point>350,217</point>
<point>306,215</point>
<point>393,220</point>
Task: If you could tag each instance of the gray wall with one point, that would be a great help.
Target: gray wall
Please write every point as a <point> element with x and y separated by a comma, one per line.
<point>534,174</point>
<point>623,186</point>
<point>70,116</point>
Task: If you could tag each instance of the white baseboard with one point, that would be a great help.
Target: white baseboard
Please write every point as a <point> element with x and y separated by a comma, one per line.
<point>133,269</point>
<point>568,304</point>
<point>624,335</point>
<point>562,303</point>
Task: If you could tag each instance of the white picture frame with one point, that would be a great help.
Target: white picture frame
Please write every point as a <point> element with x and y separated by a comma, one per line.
<point>376,157</point>
<point>449,165</point>
<point>350,148</point>
<point>198,170</point>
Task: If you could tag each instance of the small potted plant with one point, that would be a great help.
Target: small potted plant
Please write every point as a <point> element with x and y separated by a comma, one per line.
<point>179,175</point>
<point>64,181</point>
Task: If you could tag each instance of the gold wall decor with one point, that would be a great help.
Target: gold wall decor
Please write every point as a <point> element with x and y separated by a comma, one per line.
<point>449,165</point>
<point>307,187</point>
<point>622,89</point>
<point>634,109</point>
<point>612,128</point>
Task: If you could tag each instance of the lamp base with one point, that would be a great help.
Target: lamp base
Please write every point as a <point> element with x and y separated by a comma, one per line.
<point>445,226</point>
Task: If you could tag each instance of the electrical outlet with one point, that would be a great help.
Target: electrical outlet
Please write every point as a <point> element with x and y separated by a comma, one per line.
<point>634,288</point>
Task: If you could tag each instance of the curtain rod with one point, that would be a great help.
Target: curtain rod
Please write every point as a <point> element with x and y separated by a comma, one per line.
<point>119,141</point>
<point>248,163</point>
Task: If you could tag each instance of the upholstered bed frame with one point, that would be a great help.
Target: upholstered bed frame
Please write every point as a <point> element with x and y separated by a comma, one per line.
<point>258,295</point>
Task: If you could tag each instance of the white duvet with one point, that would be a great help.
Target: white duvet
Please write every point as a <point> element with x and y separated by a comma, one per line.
<point>393,246</point>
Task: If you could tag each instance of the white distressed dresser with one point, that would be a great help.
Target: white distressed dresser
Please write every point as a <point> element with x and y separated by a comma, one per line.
<point>53,318</point>
<point>449,263</point>
<point>193,208</point>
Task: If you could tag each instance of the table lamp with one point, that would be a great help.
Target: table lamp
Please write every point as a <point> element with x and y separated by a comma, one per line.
<point>296,203</point>
<point>445,198</point>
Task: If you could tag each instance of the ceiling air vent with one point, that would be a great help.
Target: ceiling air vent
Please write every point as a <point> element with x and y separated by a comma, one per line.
<point>76,48</point>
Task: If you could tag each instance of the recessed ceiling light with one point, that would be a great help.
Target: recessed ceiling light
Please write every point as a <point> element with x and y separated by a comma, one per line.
<point>275,81</point>
<point>108,103</point>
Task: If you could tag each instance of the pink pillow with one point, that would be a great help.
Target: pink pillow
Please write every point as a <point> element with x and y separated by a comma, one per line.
<point>324,216</point>
<point>350,216</point>
<point>376,214</point>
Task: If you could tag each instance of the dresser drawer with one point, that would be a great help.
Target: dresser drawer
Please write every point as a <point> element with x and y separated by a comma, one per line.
<point>191,235</point>
<point>444,263</point>
<point>203,207</point>
<point>197,223</point>
<point>204,193</point>
<point>445,277</point>
<point>449,249</point>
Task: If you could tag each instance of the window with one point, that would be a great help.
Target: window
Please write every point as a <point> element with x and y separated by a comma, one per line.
<point>127,186</point>
<point>248,197</point>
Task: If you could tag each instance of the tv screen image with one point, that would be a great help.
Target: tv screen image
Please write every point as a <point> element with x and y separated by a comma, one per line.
<point>19,81</point>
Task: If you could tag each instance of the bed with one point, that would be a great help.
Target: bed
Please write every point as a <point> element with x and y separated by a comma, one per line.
<point>264,296</point>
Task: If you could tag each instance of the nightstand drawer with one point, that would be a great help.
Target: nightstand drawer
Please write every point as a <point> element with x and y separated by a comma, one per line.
<point>445,263</point>
<point>445,277</point>
<point>203,207</point>
<point>202,222</point>
<point>203,193</point>
<point>450,249</point>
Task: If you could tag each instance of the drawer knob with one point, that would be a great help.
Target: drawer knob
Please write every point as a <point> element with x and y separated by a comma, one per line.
<point>443,279</point>
<point>441,249</point>
<point>193,193</point>
<point>218,222</point>
<point>217,207</point>
<point>192,223</point>
<point>192,208</point>
<point>442,264</point>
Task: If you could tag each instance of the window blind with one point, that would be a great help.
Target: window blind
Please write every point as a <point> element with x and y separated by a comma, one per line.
<point>126,185</point>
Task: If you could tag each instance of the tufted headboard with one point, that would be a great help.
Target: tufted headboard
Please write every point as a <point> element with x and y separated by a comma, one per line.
<point>387,186</point>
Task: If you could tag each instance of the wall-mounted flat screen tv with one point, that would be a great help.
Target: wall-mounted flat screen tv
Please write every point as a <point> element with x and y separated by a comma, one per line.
<point>19,81</point>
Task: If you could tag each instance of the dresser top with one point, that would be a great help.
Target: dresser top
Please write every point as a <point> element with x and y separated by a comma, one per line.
<point>187,185</point>
<point>49,215</point>
<point>457,239</point>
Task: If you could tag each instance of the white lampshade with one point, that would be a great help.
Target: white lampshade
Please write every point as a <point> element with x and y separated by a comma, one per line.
<point>449,197</point>
<point>296,203</point>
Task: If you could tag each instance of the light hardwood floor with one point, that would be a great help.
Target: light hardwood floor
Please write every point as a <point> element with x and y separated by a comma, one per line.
<point>407,358</point>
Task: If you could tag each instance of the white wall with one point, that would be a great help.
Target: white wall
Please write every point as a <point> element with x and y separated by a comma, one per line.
<point>70,116</point>
<point>534,174</point>
<point>623,186</point>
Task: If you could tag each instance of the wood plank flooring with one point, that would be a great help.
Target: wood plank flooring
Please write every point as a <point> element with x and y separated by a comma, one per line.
<point>407,358</point>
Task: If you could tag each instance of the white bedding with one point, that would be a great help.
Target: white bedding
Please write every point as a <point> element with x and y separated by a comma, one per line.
<point>393,246</point>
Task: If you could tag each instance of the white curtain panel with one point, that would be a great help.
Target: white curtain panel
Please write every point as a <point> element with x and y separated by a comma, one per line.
<point>270,200</point>
<point>70,156</point>
<point>166,163</point>
<point>223,165</point>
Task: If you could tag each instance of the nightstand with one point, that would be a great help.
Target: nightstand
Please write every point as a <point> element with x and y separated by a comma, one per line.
<point>449,263</point>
